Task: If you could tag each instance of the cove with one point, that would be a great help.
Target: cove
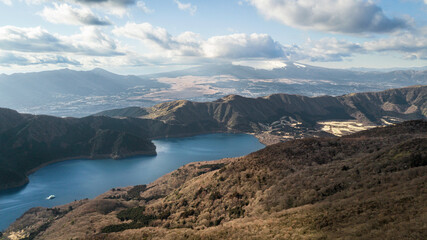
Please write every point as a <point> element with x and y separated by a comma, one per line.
<point>77,179</point>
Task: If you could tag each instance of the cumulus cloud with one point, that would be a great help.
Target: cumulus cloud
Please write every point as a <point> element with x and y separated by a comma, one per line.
<point>337,16</point>
<point>9,59</point>
<point>30,40</point>
<point>411,45</point>
<point>117,7</point>
<point>66,14</point>
<point>90,41</point>
<point>145,32</point>
<point>187,43</point>
<point>191,44</point>
<point>243,46</point>
<point>330,50</point>
<point>186,7</point>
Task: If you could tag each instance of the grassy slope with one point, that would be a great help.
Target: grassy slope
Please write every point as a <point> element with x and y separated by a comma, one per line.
<point>368,185</point>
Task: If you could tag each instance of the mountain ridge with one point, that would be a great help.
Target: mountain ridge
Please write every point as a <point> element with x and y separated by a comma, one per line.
<point>73,93</point>
<point>264,109</point>
<point>369,185</point>
<point>275,118</point>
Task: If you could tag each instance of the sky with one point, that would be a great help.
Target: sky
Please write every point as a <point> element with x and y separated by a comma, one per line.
<point>147,36</point>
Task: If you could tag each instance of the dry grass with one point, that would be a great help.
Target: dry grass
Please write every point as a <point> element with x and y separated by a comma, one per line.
<point>371,185</point>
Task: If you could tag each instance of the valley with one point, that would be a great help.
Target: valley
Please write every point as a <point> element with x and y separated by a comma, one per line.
<point>80,93</point>
<point>366,185</point>
<point>31,141</point>
<point>213,120</point>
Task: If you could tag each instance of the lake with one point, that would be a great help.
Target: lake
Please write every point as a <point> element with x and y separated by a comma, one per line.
<point>78,179</point>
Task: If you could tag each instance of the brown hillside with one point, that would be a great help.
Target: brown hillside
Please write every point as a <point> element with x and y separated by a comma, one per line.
<point>371,185</point>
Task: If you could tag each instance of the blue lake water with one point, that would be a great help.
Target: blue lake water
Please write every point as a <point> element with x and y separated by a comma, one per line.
<point>78,179</point>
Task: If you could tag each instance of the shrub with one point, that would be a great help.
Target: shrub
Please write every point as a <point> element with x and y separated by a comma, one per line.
<point>236,212</point>
<point>215,195</point>
<point>188,213</point>
<point>134,193</point>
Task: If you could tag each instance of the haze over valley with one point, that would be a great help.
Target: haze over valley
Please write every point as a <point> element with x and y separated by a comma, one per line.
<point>81,93</point>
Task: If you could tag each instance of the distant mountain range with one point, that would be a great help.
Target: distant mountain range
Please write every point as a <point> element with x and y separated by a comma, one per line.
<point>370,185</point>
<point>71,93</point>
<point>30,141</point>
<point>284,112</point>
<point>81,93</point>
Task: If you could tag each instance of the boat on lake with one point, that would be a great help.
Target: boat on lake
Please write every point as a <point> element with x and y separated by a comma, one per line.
<point>50,197</point>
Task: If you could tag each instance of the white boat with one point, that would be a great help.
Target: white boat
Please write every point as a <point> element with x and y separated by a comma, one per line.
<point>50,197</point>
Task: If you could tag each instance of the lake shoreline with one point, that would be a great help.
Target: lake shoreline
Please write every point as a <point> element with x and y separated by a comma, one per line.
<point>86,178</point>
<point>124,156</point>
<point>96,157</point>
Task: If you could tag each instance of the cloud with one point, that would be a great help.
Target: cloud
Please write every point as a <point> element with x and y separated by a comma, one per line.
<point>411,45</point>
<point>336,16</point>
<point>66,14</point>
<point>191,44</point>
<point>117,3</point>
<point>90,41</point>
<point>144,7</point>
<point>116,7</point>
<point>30,40</point>
<point>9,59</point>
<point>243,46</point>
<point>147,33</point>
<point>186,7</point>
<point>329,50</point>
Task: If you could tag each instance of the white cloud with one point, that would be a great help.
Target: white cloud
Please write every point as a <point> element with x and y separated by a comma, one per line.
<point>191,44</point>
<point>266,64</point>
<point>411,45</point>
<point>338,16</point>
<point>329,50</point>
<point>186,44</point>
<point>144,7</point>
<point>116,7</point>
<point>109,3</point>
<point>147,33</point>
<point>243,46</point>
<point>14,59</point>
<point>30,40</point>
<point>186,7</point>
<point>66,14</point>
<point>90,41</point>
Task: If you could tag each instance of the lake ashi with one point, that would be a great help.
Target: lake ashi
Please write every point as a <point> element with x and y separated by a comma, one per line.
<point>78,179</point>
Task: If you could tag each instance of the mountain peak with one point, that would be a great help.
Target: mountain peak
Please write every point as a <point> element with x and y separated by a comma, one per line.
<point>100,70</point>
<point>231,97</point>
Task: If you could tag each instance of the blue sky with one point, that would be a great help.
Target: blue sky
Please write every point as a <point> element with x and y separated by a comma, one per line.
<point>145,36</point>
